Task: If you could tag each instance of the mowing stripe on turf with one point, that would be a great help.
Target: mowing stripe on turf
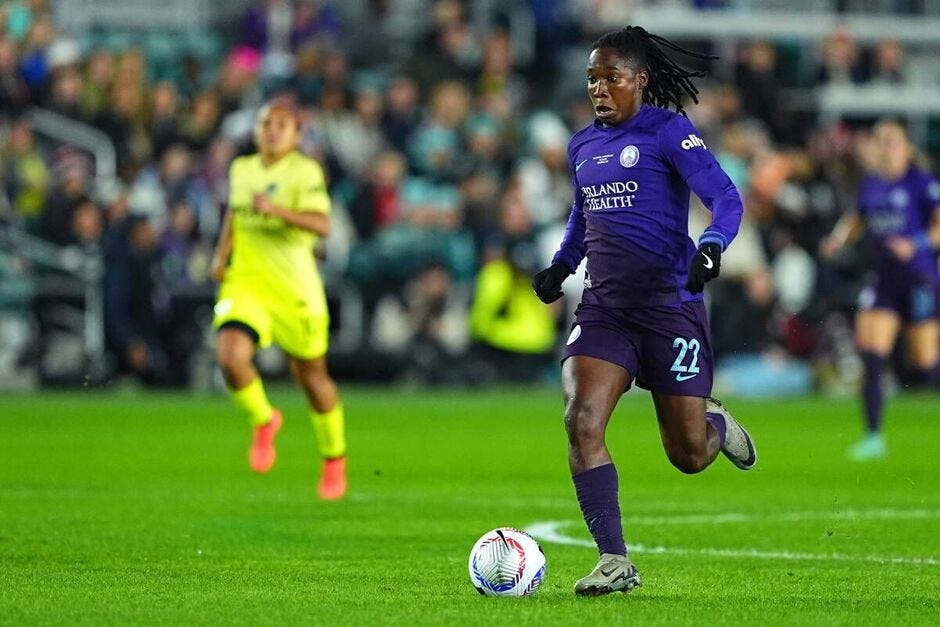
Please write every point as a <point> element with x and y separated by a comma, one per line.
<point>550,531</point>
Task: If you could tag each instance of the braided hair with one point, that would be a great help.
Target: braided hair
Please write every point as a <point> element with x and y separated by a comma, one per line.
<point>668,81</point>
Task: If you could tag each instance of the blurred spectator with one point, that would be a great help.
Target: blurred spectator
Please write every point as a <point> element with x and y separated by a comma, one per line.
<point>199,127</point>
<point>760,93</point>
<point>513,331</point>
<point>449,52</point>
<point>65,94</point>
<point>544,176</point>
<point>156,190</point>
<point>164,117</point>
<point>888,63</point>
<point>378,202</point>
<point>33,63</point>
<point>137,308</point>
<point>402,113</point>
<point>238,82</point>
<point>72,189</point>
<point>435,146</point>
<point>24,174</point>
<point>96,83</point>
<point>307,83</point>
<point>278,26</point>
<point>14,93</point>
<point>315,20</point>
<point>355,137</point>
<point>497,77</point>
<point>839,63</point>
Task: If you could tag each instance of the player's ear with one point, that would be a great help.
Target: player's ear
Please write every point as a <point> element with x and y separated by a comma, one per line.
<point>642,79</point>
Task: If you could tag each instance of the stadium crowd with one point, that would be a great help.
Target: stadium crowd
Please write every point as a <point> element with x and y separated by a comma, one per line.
<point>444,141</point>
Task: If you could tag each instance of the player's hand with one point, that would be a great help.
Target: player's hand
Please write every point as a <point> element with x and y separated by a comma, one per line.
<point>902,247</point>
<point>547,283</point>
<point>704,267</point>
<point>262,204</point>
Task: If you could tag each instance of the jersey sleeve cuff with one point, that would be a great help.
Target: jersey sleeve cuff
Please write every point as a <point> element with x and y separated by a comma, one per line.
<point>713,237</point>
<point>559,257</point>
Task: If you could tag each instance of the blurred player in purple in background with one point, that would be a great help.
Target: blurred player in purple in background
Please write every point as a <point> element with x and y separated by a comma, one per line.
<point>899,207</point>
<point>642,313</point>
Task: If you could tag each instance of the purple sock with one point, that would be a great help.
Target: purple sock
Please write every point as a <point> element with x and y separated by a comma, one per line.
<point>597,490</point>
<point>718,421</point>
<point>872,393</point>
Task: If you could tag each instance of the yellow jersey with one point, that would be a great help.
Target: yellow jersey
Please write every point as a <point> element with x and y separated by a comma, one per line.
<point>268,253</point>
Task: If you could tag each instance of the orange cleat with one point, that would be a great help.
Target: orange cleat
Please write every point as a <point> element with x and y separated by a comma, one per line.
<point>333,482</point>
<point>262,454</point>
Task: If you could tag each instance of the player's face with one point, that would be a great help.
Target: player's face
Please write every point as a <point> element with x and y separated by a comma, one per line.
<point>892,149</point>
<point>615,88</point>
<point>276,132</point>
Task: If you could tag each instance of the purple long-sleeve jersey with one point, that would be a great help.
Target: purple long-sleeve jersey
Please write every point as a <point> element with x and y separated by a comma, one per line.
<point>905,208</point>
<point>631,208</point>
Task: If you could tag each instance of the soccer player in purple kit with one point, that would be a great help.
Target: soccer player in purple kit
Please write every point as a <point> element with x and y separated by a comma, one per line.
<point>641,314</point>
<point>899,207</point>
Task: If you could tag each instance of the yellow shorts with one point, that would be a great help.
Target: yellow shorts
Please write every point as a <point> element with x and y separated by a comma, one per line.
<point>300,327</point>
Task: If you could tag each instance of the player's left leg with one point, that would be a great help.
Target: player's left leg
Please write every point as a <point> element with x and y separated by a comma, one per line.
<point>695,429</point>
<point>326,412</point>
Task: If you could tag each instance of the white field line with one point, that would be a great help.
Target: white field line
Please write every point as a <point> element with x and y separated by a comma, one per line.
<point>550,531</point>
<point>845,514</point>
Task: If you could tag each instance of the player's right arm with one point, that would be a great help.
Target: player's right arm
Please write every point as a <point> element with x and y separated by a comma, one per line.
<point>223,248</point>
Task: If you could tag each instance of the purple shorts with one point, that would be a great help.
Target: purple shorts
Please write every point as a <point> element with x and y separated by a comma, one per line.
<point>667,348</point>
<point>912,299</point>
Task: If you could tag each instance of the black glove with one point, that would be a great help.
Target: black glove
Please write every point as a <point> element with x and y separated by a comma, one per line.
<point>704,267</point>
<point>547,283</point>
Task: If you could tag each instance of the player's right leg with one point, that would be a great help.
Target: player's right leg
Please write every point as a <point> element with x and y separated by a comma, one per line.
<point>876,331</point>
<point>236,344</point>
<point>592,388</point>
<point>329,423</point>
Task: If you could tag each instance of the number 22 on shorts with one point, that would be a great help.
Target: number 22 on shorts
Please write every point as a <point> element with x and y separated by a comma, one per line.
<point>683,372</point>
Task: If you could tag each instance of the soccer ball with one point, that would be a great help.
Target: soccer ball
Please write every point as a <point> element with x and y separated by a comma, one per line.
<point>506,562</point>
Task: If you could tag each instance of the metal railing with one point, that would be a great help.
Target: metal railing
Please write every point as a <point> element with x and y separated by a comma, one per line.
<point>83,265</point>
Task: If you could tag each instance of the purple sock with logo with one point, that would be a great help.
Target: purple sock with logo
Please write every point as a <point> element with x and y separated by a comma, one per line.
<point>597,491</point>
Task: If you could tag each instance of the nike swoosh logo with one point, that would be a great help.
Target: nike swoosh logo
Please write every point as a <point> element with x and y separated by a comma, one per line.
<point>685,377</point>
<point>578,167</point>
<point>708,261</point>
<point>608,573</point>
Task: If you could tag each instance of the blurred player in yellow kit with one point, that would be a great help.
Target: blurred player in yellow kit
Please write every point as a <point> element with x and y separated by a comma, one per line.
<point>271,289</point>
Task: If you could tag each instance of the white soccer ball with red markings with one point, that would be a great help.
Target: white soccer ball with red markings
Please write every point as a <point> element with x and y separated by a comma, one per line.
<point>506,562</point>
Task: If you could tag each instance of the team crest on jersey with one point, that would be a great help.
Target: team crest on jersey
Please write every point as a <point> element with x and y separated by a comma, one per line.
<point>629,156</point>
<point>899,197</point>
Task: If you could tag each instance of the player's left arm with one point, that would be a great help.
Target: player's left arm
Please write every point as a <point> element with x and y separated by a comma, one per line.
<point>932,202</point>
<point>684,149</point>
<point>303,218</point>
<point>312,209</point>
<point>904,247</point>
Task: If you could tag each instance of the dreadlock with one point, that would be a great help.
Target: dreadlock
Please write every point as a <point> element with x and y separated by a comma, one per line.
<point>668,81</point>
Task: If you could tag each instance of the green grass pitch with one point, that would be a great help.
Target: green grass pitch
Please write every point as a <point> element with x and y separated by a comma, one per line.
<point>140,509</point>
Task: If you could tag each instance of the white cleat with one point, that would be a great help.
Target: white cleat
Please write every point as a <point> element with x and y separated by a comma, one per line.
<point>613,573</point>
<point>738,445</point>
